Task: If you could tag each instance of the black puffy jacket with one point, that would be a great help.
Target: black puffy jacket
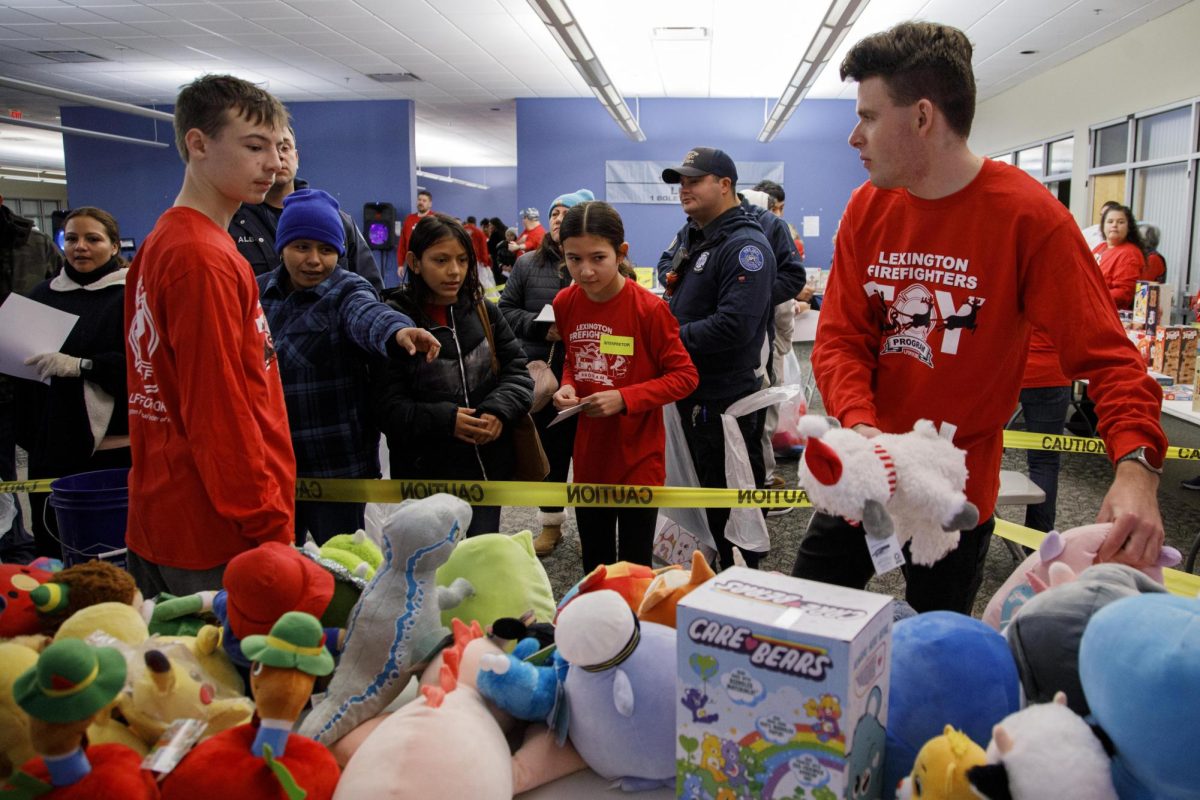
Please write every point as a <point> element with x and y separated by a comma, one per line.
<point>534,283</point>
<point>415,403</point>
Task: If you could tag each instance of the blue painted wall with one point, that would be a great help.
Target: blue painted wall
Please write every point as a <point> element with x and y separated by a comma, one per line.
<point>498,200</point>
<point>562,144</point>
<point>357,151</point>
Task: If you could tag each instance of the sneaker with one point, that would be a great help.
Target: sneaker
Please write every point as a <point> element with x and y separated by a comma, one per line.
<point>547,540</point>
<point>775,484</point>
<point>1193,484</point>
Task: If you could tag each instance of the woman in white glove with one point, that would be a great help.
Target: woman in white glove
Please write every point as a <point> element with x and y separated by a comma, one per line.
<point>74,420</point>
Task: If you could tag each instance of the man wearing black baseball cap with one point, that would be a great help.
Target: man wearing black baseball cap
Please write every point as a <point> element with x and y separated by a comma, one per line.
<point>718,270</point>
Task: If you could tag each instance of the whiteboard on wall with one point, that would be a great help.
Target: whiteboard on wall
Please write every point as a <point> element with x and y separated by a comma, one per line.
<point>641,181</point>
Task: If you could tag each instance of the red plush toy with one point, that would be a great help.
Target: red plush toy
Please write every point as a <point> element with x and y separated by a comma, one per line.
<point>265,760</point>
<point>18,614</point>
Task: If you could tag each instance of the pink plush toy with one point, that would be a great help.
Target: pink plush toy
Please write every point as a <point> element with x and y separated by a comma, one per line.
<point>1077,549</point>
<point>910,484</point>
<point>450,742</point>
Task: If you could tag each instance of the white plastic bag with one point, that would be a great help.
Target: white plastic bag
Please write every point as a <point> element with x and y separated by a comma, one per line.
<point>681,472</point>
<point>746,527</point>
<point>786,440</point>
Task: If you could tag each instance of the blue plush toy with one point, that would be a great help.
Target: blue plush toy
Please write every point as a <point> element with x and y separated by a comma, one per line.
<point>526,691</point>
<point>1139,663</point>
<point>947,669</point>
<point>620,690</point>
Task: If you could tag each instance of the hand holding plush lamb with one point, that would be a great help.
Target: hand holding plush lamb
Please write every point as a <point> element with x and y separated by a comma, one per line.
<point>910,484</point>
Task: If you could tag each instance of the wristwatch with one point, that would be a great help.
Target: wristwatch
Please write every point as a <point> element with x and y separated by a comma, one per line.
<point>85,364</point>
<point>1139,455</point>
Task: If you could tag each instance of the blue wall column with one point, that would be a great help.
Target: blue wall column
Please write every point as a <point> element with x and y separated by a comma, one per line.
<point>562,145</point>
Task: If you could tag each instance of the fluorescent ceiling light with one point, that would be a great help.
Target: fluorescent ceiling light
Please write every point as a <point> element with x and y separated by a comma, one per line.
<point>694,33</point>
<point>86,99</point>
<point>434,176</point>
<point>112,137</point>
<point>570,37</point>
<point>829,34</point>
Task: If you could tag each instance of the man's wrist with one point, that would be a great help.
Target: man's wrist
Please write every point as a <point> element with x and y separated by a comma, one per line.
<point>1139,456</point>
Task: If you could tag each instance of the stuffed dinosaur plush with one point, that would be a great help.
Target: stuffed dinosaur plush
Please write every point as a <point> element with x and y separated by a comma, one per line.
<point>450,742</point>
<point>1076,548</point>
<point>1044,751</point>
<point>508,578</point>
<point>396,625</point>
<point>619,690</point>
<point>1139,664</point>
<point>264,760</point>
<point>669,587</point>
<point>910,484</point>
<point>940,771</point>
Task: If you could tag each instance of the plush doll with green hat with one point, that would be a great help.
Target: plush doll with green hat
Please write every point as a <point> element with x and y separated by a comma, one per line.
<point>71,683</point>
<point>264,759</point>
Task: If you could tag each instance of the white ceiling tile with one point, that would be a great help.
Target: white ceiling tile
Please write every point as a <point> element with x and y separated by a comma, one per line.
<point>62,13</point>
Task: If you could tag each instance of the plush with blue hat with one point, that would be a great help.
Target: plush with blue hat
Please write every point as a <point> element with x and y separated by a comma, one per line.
<point>573,199</point>
<point>310,214</point>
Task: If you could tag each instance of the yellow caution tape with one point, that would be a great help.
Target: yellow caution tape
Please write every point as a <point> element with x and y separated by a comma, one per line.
<point>522,493</point>
<point>31,487</point>
<point>1023,440</point>
<point>1176,581</point>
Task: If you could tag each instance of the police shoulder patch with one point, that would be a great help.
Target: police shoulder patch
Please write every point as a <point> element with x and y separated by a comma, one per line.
<point>751,258</point>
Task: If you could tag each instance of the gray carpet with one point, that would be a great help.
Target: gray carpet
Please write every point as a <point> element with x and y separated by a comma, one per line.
<point>1083,482</point>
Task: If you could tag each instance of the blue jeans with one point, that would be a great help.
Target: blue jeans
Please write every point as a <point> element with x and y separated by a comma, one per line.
<point>1045,411</point>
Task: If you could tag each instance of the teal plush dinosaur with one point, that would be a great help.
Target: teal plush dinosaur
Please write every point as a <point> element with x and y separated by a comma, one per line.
<point>396,624</point>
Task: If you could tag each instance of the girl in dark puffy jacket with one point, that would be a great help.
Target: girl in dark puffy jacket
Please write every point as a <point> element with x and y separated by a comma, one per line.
<point>450,419</point>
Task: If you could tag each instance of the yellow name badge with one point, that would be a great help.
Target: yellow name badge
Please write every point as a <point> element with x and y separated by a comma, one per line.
<point>645,276</point>
<point>616,345</point>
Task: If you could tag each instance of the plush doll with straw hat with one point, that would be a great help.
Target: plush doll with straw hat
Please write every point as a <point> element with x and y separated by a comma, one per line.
<point>264,759</point>
<point>71,683</point>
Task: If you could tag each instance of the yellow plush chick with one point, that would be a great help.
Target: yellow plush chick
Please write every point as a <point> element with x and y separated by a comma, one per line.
<point>940,771</point>
<point>15,747</point>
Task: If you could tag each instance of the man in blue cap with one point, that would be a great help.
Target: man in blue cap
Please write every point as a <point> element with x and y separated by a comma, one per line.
<point>719,271</point>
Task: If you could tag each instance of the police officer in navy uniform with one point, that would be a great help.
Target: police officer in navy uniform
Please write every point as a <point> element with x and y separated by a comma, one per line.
<point>719,272</point>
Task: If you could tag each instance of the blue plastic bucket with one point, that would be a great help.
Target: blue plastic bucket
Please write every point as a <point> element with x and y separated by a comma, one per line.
<point>92,509</point>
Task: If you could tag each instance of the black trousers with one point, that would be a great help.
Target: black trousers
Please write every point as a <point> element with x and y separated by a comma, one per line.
<point>706,441</point>
<point>326,520</point>
<point>834,551</point>
<point>607,535</point>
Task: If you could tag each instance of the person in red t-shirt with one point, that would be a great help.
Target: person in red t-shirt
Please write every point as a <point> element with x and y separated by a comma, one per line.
<point>531,239</point>
<point>945,262</point>
<point>424,209</point>
<point>1156,266</point>
<point>479,242</point>
<point>213,470</point>
<point>624,362</point>
<point>1120,255</point>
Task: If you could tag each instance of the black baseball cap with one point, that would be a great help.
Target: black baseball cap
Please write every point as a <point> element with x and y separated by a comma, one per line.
<point>702,161</point>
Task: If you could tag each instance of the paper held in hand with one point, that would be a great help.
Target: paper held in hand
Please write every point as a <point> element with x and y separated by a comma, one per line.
<point>566,414</point>
<point>546,315</point>
<point>30,328</point>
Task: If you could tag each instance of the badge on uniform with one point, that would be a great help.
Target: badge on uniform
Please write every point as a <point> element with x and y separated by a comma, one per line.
<point>751,258</point>
<point>700,262</point>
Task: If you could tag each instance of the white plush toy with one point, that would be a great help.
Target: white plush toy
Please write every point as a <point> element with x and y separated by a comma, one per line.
<point>910,484</point>
<point>1044,750</point>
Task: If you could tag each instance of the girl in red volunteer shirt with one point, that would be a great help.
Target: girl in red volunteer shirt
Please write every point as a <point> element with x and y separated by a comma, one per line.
<point>1120,254</point>
<point>624,361</point>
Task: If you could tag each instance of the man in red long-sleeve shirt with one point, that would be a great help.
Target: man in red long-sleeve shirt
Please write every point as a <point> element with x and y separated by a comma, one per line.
<point>944,262</point>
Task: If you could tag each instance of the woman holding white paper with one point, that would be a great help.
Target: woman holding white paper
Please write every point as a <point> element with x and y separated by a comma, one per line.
<point>75,421</point>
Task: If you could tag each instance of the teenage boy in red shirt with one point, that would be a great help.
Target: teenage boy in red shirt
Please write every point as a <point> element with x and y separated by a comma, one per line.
<point>945,260</point>
<point>213,471</point>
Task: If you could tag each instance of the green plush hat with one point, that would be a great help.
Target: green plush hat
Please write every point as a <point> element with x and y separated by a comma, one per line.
<point>50,597</point>
<point>296,641</point>
<point>71,681</point>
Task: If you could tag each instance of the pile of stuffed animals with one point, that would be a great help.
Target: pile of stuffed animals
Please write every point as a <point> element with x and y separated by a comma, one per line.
<point>432,666</point>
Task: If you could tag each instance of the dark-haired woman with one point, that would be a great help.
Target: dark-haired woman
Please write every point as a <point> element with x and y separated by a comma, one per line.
<point>451,419</point>
<point>536,280</point>
<point>75,421</point>
<point>1120,254</point>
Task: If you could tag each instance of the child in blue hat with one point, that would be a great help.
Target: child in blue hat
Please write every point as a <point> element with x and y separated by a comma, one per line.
<point>328,326</point>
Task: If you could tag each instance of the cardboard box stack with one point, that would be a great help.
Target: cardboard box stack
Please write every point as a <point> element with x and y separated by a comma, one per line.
<point>783,687</point>
<point>1174,352</point>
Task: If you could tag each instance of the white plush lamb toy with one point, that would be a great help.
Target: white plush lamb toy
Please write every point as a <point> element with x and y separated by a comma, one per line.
<point>910,484</point>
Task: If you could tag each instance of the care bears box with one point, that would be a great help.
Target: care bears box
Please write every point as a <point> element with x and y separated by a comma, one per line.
<point>782,687</point>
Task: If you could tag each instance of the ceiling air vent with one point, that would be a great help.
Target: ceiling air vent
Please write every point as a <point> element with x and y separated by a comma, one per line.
<point>393,77</point>
<point>69,56</point>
